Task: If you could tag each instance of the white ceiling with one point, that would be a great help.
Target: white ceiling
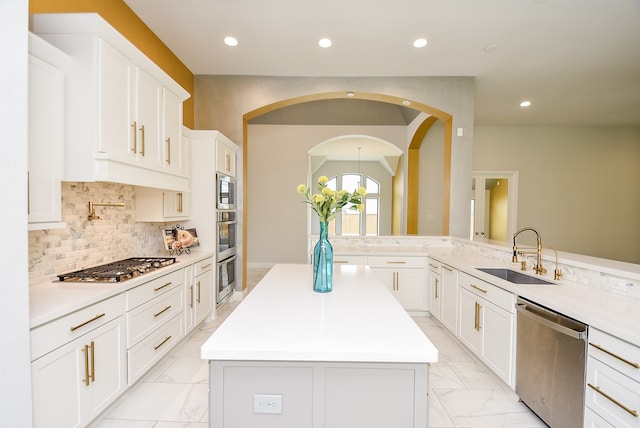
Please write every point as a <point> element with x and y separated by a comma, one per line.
<point>578,61</point>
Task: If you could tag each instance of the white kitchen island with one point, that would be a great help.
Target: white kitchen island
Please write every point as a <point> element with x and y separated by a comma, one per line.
<point>289,357</point>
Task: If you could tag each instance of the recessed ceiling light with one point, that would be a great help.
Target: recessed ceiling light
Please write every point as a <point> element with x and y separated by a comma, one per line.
<point>325,43</point>
<point>525,103</point>
<point>406,102</point>
<point>230,41</point>
<point>351,94</point>
<point>419,43</point>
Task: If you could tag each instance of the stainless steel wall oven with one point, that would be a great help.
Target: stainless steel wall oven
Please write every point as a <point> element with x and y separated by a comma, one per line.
<point>226,253</point>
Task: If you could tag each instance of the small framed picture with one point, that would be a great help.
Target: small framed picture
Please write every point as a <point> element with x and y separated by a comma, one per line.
<point>180,240</point>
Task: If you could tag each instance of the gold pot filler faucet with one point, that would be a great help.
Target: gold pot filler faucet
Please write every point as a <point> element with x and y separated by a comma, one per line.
<point>538,268</point>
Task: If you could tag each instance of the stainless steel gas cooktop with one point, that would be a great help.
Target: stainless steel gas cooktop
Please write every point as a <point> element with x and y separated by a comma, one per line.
<point>118,271</point>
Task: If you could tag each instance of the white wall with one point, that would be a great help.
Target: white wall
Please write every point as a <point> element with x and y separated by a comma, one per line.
<point>15,368</point>
<point>221,101</point>
<point>277,163</point>
<point>578,186</point>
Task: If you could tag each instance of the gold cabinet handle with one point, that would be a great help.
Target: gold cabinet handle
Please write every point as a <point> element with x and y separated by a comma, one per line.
<point>93,362</point>
<point>478,288</point>
<point>168,140</point>
<point>342,262</point>
<point>390,262</point>
<point>75,327</point>
<point>134,125</point>
<point>434,266</point>
<point>86,365</point>
<point>227,162</point>
<point>205,267</point>
<point>613,400</point>
<point>179,202</point>
<point>624,360</point>
<point>477,327</point>
<point>198,292</point>
<point>437,295</point>
<point>142,135</point>
<point>162,286</point>
<point>191,296</point>
<point>162,311</point>
<point>166,339</point>
<point>447,268</point>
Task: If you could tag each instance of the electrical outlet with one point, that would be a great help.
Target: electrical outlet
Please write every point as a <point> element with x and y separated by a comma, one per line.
<point>267,403</point>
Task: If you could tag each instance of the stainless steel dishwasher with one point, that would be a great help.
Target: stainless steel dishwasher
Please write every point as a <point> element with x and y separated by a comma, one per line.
<point>550,364</point>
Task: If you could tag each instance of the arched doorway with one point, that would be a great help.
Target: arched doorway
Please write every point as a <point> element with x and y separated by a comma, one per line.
<point>412,190</point>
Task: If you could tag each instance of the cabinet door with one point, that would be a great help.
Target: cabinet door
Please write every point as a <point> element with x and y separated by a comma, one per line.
<point>116,125</point>
<point>108,367</point>
<point>174,152</point>
<point>449,315</point>
<point>74,383</point>
<point>58,382</point>
<point>148,95</point>
<point>190,299</point>
<point>175,205</point>
<point>46,133</point>
<point>203,296</point>
<point>411,289</point>
<point>225,160</point>
<point>435,295</point>
<point>470,319</point>
<point>498,332</point>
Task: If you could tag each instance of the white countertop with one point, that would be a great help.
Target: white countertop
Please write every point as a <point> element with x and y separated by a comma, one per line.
<point>615,314</point>
<point>51,300</point>
<point>283,319</point>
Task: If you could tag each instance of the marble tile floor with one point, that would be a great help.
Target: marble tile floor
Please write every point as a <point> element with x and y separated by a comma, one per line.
<point>174,393</point>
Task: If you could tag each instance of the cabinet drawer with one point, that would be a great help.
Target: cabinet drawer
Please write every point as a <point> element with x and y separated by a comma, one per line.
<point>54,334</point>
<point>203,266</point>
<point>145,354</point>
<point>490,292</point>
<point>614,352</point>
<point>396,262</point>
<point>349,260</point>
<point>434,266</point>
<point>147,291</point>
<point>617,397</point>
<point>148,317</point>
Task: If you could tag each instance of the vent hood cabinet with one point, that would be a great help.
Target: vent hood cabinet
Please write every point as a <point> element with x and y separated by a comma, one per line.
<point>123,113</point>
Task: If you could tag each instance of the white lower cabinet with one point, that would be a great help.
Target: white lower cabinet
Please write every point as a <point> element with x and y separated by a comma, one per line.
<point>435,289</point>
<point>199,292</point>
<point>406,278</point>
<point>487,324</point>
<point>449,298</point>
<point>74,382</point>
<point>155,321</point>
<point>613,382</point>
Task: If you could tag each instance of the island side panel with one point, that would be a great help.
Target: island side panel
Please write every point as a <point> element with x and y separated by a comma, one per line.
<point>319,394</point>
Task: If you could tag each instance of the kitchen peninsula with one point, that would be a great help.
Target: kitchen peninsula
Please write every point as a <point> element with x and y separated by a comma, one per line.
<point>290,357</point>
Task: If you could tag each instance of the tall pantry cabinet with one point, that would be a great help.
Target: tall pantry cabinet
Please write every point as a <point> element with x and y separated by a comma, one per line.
<point>211,152</point>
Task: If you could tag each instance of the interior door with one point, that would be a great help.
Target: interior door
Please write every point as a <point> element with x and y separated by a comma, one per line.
<point>493,205</point>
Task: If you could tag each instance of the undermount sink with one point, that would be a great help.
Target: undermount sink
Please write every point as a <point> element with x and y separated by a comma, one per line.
<point>514,276</point>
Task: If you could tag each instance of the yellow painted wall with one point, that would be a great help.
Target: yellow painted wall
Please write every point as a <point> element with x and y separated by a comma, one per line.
<point>123,19</point>
<point>498,211</point>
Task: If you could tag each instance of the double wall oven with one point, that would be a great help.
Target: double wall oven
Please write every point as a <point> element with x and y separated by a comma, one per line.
<point>226,224</point>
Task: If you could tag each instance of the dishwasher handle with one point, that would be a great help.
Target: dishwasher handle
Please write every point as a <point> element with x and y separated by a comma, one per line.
<point>523,309</point>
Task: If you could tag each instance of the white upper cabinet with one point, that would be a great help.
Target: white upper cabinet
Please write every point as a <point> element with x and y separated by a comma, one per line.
<point>225,158</point>
<point>124,113</point>
<point>46,133</point>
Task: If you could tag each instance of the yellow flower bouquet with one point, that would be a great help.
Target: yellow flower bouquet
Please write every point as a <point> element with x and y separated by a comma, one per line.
<point>327,202</point>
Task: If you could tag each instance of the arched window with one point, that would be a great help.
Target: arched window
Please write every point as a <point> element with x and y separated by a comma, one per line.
<point>351,222</point>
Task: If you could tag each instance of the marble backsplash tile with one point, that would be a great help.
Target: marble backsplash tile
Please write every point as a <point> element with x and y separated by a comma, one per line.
<point>84,243</point>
